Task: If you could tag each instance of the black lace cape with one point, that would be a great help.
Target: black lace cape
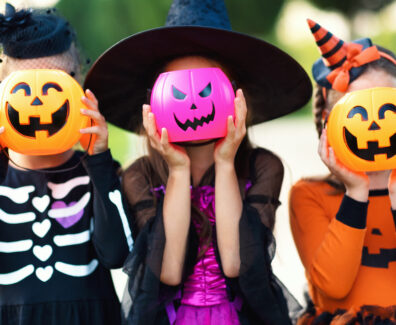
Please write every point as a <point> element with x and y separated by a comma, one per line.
<point>263,300</point>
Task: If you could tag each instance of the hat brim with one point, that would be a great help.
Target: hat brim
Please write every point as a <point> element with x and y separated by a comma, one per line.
<point>273,82</point>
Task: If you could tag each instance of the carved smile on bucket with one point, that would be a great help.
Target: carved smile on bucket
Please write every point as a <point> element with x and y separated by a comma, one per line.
<point>196,122</point>
<point>59,119</point>
<point>372,147</point>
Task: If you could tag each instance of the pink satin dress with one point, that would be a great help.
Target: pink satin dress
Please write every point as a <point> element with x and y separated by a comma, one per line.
<point>205,299</point>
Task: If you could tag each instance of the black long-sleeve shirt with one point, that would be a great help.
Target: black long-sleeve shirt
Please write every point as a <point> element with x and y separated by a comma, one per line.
<point>59,233</point>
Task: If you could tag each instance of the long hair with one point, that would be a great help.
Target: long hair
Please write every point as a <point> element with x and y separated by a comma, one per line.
<point>158,171</point>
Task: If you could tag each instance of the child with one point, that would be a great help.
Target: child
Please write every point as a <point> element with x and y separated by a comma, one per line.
<point>214,202</point>
<point>62,223</point>
<point>338,221</point>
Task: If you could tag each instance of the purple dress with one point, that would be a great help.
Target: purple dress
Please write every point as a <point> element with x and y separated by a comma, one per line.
<point>205,299</point>
<point>202,297</point>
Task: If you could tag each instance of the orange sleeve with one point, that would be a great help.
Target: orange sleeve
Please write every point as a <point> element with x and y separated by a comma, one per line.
<point>329,249</point>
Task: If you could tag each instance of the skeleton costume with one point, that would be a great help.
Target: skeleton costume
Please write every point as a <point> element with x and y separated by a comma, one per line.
<point>61,229</point>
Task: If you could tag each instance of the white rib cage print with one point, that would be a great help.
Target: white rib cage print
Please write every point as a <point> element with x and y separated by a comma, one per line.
<point>65,214</point>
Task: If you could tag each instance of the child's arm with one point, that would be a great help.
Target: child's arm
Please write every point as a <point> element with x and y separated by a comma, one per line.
<point>112,236</point>
<point>330,250</point>
<point>228,201</point>
<point>177,201</point>
<point>327,247</point>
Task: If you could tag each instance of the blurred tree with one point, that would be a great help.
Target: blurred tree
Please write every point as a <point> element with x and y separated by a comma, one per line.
<point>350,7</point>
<point>101,23</point>
<point>255,17</point>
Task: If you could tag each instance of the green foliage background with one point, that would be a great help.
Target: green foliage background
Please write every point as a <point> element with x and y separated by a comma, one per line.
<point>102,23</point>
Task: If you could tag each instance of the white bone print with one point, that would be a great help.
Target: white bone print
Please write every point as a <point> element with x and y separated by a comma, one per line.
<point>44,273</point>
<point>59,191</point>
<point>72,239</point>
<point>43,253</point>
<point>18,195</point>
<point>71,210</point>
<point>41,203</point>
<point>16,246</point>
<point>40,229</point>
<point>77,270</point>
<point>116,199</point>
<point>16,218</point>
<point>16,276</point>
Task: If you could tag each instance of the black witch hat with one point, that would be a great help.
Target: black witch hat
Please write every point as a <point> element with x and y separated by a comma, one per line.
<point>273,82</point>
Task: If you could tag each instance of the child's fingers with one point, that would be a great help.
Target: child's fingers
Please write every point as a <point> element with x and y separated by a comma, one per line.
<point>164,138</point>
<point>240,111</point>
<point>95,115</point>
<point>332,158</point>
<point>152,130</point>
<point>1,129</point>
<point>152,133</point>
<point>90,103</point>
<point>323,145</point>
<point>93,130</point>
<point>90,95</point>
<point>145,111</point>
<point>231,130</point>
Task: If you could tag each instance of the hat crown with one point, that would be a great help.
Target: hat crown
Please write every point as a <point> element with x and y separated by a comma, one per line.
<point>205,13</point>
<point>332,49</point>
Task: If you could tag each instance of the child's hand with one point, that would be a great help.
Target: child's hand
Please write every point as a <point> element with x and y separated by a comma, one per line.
<point>227,147</point>
<point>392,188</point>
<point>100,126</point>
<point>356,183</point>
<point>175,156</point>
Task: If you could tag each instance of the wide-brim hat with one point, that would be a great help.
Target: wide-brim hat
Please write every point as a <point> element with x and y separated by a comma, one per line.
<point>273,82</point>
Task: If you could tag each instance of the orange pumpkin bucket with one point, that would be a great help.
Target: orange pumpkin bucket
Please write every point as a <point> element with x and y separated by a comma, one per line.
<point>361,129</point>
<point>40,111</point>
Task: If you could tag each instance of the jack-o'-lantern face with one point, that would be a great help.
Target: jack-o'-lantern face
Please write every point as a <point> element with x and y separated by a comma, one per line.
<point>361,129</point>
<point>193,104</point>
<point>379,248</point>
<point>40,110</point>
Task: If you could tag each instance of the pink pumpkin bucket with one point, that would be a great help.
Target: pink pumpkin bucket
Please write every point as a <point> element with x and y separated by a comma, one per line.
<point>193,104</point>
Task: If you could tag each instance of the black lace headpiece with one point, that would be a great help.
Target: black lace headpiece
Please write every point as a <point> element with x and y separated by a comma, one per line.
<point>28,34</point>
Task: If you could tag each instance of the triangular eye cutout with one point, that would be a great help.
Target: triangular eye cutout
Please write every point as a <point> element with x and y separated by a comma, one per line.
<point>177,93</point>
<point>206,91</point>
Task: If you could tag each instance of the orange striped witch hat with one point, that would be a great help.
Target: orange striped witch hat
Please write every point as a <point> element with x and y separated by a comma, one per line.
<point>341,62</point>
<point>332,48</point>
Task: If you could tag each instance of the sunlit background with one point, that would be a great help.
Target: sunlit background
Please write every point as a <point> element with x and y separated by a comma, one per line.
<point>101,23</point>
